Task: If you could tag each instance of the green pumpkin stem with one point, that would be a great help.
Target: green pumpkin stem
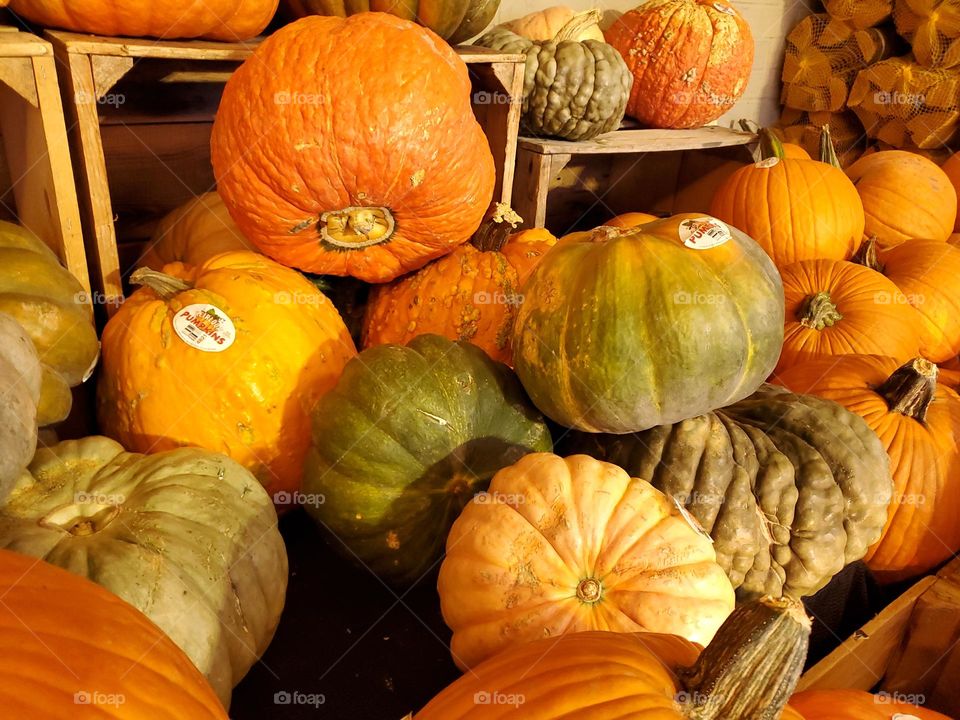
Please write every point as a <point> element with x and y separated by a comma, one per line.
<point>818,312</point>
<point>770,145</point>
<point>752,665</point>
<point>578,23</point>
<point>910,389</point>
<point>165,286</point>
<point>496,227</point>
<point>828,153</point>
<point>868,256</point>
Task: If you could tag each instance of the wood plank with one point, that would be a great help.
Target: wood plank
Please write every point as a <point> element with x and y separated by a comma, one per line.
<point>534,173</point>
<point>78,44</point>
<point>642,141</point>
<point>17,74</point>
<point>497,102</point>
<point>476,54</point>
<point>951,571</point>
<point>21,44</point>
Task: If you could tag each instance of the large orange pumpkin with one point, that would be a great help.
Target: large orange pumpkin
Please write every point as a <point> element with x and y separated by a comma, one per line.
<point>857,705</point>
<point>926,271</point>
<point>471,294</point>
<point>918,421</point>
<point>834,307</point>
<point>630,219</point>
<point>690,59</point>
<point>70,649</point>
<point>951,169</point>
<point>516,571</point>
<point>343,156</point>
<point>227,20</point>
<point>230,356</point>
<point>904,196</point>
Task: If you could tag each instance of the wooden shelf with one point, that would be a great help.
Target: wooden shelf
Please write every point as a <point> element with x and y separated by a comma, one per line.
<point>642,141</point>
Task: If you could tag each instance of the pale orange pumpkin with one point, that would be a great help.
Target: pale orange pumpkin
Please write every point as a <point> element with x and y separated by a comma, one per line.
<point>630,219</point>
<point>857,705</point>
<point>951,169</point>
<point>545,24</point>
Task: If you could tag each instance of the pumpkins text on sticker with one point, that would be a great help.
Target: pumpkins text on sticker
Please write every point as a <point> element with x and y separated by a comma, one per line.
<point>20,378</point>
<point>85,648</point>
<point>471,294</point>
<point>792,488</point>
<point>918,422</point>
<point>360,158</point>
<point>229,356</point>
<point>690,59</point>
<point>516,570</point>
<point>545,24</point>
<point>404,441</point>
<point>624,329</point>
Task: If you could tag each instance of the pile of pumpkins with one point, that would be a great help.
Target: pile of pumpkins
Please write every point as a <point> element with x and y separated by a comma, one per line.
<point>722,409</point>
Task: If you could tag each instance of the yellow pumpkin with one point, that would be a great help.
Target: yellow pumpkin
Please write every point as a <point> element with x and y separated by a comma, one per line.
<point>545,24</point>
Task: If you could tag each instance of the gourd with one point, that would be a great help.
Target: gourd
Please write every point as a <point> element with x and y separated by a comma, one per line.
<point>20,377</point>
<point>630,219</point>
<point>545,24</point>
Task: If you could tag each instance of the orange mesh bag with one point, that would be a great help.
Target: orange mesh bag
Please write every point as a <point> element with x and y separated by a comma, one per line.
<point>933,29</point>
<point>859,13</point>
<point>906,105</point>
<point>803,128</point>
<point>822,59</point>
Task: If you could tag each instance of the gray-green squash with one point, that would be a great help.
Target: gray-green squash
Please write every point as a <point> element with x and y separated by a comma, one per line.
<point>20,380</point>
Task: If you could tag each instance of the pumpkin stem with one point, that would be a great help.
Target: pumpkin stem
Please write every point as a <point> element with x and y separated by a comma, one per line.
<point>818,312</point>
<point>770,145</point>
<point>589,590</point>
<point>356,227</point>
<point>828,153</point>
<point>752,665</point>
<point>910,390</point>
<point>578,23</point>
<point>496,227</point>
<point>867,255</point>
<point>165,286</point>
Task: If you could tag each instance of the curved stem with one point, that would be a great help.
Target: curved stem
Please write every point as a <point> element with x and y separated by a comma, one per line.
<point>770,145</point>
<point>910,389</point>
<point>165,286</point>
<point>578,23</point>
<point>868,255</point>
<point>357,227</point>
<point>828,153</point>
<point>818,312</point>
<point>494,231</point>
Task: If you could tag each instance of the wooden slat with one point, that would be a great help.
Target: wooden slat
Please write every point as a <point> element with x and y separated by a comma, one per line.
<point>78,44</point>
<point>21,44</point>
<point>476,54</point>
<point>641,141</point>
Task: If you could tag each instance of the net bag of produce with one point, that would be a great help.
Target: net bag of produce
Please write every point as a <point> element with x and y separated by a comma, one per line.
<point>860,13</point>
<point>803,128</point>
<point>933,29</point>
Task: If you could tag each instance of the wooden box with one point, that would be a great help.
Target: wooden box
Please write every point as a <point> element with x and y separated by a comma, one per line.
<point>142,112</point>
<point>41,194</point>
<point>912,648</point>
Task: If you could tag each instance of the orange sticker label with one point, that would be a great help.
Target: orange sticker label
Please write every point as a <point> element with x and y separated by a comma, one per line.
<point>703,233</point>
<point>205,327</point>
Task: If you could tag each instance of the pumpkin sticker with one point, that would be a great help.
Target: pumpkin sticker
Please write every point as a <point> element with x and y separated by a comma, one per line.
<point>703,233</point>
<point>205,327</point>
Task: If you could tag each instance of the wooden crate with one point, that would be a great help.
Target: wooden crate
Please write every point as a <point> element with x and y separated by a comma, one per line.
<point>40,181</point>
<point>559,183</point>
<point>911,648</point>
<point>142,112</point>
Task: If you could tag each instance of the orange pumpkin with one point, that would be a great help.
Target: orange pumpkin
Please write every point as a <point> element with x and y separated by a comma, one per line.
<point>515,571</point>
<point>353,158</point>
<point>904,196</point>
<point>630,219</point>
<point>834,307</point>
<point>70,649</point>
<point>471,294</point>
<point>857,705</point>
<point>918,421</point>
<point>795,209</point>
<point>230,356</point>
<point>193,233</point>
<point>951,169</point>
<point>795,152</point>
<point>926,271</point>
<point>690,59</point>
<point>227,20</point>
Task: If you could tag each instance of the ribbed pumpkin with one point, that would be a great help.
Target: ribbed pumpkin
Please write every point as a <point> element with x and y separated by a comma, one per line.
<point>193,233</point>
<point>690,59</point>
<point>748,671</point>
<point>453,20</point>
<point>54,309</point>
<point>516,570</point>
<point>624,329</point>
<point>926,271</point>
<point>835,307</point>
<point>630,219</point>
<point>471,294</point>
<point>904,196</point>
<point>227,20</point>
<point>951,169</point>
<point>352,158</point>
<point>20,378</point>
<point>857,705</point>
<point>187,537</point>
<point>249,397</point>
<point>795,209</point>
<point>545,24</point>
<point>918,422</point>
<point>70,649</point>
<point>792,488</point>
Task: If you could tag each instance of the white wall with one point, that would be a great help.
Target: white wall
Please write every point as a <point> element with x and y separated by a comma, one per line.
<point>770,21</point>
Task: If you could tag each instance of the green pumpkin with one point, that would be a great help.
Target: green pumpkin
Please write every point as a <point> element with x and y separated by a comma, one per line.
<point>20,378</point>
<point>407,437</point>
<point>791,488</point>
<point>622,330</point>
<point>573,90</point>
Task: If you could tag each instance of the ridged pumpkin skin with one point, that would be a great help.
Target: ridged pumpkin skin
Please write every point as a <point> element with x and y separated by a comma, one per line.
<point>904,196</point>
<point>624,329</point>
<point>251,401</point>
<point>194,233</point>
<point>795,209</point>
<point>453,20</point>
<point>405,440</point>
<point>835,307</point>
<point>690,59</point>
<point>187,537</point>
<point>791,488</point>
<point>921,529</point>
<point>952,170</point>
<point>341,157</point>
<point>856,705</point>
<point>516,571</point>
<point>630,219</point>
<point>64,638</point>
<point>545,24</point>
<point>20,378</point>
<point>54,309</point>
<point>227,20</point>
